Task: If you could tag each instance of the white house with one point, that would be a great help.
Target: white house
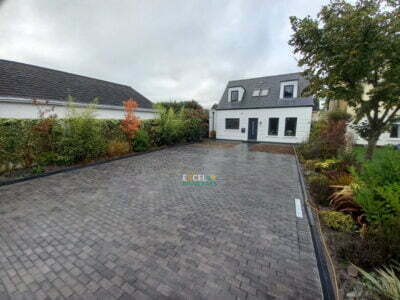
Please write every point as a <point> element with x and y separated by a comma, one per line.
<point>21,84</point>
<point>265,109</point>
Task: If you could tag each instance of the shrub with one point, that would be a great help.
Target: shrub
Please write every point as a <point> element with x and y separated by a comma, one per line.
<point>379,190</point>
<point>328,164</point>
<point>374,249</point>
<point>383,283</point>
<point>130,125</point>
<point>82,138</point>
<point>111,130</point>
<point>342,200</point>
<point>319,188</point>
<point>116,148</point>
<point>333,137</point>
<point>347,161</point>
<point>192,131</point>
<point>169,127</point>
<point>309,165</point>
<point>47,158</point>
<point>338,221</point>
<point>141,142</point>
<point>338,115</point>
<point>341,179</point>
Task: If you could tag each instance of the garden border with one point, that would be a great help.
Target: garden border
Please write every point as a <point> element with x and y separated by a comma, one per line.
<point>95,163</point>
<point>324,273</point>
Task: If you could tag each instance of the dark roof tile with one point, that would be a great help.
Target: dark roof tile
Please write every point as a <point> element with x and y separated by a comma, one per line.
<point>23,80</point>
<point>272,99</point>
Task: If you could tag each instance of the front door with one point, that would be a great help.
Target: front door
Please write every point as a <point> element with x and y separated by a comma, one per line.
<point>252,131</point>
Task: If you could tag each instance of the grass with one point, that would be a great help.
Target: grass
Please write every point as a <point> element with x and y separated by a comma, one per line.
<point>360,151</point>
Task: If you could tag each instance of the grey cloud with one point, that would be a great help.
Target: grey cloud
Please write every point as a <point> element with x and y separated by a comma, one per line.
<point>164,49</point>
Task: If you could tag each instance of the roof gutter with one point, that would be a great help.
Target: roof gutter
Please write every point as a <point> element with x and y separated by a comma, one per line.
<point>5,99</point>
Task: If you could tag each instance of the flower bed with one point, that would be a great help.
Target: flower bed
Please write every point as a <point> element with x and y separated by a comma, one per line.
<point>358,202</point>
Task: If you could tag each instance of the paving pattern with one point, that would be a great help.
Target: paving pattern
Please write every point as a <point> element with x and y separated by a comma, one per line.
<point>130,229</point>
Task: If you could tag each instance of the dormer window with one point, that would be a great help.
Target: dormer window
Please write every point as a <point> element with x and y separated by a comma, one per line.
<point>288,90</point>
<point>234,96</point>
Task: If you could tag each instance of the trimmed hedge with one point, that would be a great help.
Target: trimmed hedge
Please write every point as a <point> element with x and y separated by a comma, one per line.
<point>26,143</point>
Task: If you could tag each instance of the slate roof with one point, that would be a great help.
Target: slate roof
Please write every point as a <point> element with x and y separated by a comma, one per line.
<point>28,81</point>
<point>272,99</point>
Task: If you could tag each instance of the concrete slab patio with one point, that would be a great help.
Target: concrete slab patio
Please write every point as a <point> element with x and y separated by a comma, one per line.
<point>130,229</point>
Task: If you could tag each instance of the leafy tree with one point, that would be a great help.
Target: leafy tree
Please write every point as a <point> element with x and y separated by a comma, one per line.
<point>351,46</point>
<point>177,106</point>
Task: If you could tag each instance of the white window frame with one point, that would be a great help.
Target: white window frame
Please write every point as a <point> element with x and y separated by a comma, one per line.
<point>398,132</point>
<point>256,93</point>
<point>240,91</point>
<point>264,92</point>
<point>295,88</point>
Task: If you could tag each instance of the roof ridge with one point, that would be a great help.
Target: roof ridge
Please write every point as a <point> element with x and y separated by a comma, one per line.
<point>68,73</point>
<point>269,76</point>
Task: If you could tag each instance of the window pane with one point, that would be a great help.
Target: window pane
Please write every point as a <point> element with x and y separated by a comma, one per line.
<point>265,92</point>
<point>234,96</point>
<point>256,93</point>
<point>273,126</point>
<point>290,126</point>
<point>394,132</point>
<point>231,123</point>
<point>288,91</point>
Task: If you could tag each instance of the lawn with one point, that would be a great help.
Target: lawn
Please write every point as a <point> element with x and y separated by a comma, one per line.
<point>378,153</point>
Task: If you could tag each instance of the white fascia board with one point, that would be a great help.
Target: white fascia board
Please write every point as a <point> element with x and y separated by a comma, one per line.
<point>65,103</point>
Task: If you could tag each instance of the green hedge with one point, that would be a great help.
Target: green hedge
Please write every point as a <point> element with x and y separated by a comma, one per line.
<point>26,143</point>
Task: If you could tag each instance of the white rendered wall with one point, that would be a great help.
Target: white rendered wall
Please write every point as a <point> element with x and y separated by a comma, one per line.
<point>303,115</point>
<point>384,139</point>
<point>30,111</point>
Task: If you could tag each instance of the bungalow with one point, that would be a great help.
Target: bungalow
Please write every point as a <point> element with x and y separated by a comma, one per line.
<point>21,83</point>
<point>265,109</point>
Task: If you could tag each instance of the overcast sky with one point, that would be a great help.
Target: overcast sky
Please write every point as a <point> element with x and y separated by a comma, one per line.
<point>165,49</point>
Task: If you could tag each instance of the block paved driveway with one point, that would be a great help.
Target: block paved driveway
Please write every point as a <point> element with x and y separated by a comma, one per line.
<point>129,229</point>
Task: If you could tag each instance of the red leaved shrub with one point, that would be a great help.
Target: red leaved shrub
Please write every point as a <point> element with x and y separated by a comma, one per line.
<point>131,123</point>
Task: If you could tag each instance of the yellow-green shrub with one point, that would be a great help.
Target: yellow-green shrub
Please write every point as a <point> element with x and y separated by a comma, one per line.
<point>337,220</point>
<point>116,148</point>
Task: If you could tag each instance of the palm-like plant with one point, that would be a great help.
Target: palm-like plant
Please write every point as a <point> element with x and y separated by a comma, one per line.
<point>384,283</point>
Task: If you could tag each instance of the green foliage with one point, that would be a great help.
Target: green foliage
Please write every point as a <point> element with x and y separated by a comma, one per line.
<point>327,164</point>
<point>348,46</point>
<point>141,141</point>
<point>379,188</point>
<point>319,188</point>
<point>178,106</point>
<point>347,161</point>
<point>37,170</point>
<point>82,138</point>
<point>169,128</point>
<point>327,137</point>
<point>117,148</point>
<point>384,282</point>
<point>111,130</point>
<point>48,158</point>
<point>338,221</point>
<point>338,115</point>
<point>19,142</point>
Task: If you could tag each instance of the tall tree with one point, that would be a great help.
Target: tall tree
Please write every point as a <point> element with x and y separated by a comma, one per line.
<point>353,50</point>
